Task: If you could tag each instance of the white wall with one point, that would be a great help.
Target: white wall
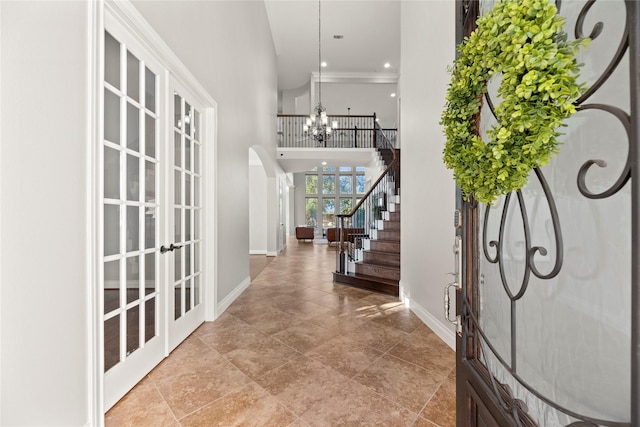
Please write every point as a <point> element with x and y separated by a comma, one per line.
<point>257,210</point>
<point>363,99</point>
<point>292,100</point>
<point>228,47</point>
<point>44,122</point>
<point>428,190</point>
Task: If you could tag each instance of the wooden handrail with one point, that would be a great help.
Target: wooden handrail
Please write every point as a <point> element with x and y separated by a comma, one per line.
<point>328,115</point>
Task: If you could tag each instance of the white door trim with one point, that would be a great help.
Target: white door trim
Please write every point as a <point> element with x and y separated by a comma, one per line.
<point>95,45</point>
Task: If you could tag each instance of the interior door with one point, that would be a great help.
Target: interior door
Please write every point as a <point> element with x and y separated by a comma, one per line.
<point>184,251</point>
<point>548,302</point>
<point>132,217</point>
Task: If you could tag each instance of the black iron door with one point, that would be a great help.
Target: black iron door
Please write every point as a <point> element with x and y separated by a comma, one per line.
<point>549,301</point>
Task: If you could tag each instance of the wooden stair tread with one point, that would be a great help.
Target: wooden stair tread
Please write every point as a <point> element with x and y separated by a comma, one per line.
<point>383,266</point>
<point>363,281</point>
<point>383,252</point>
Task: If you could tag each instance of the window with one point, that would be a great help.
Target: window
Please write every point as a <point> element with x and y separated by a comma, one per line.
<point>360,184</point>
<point>346,184</point>
<point>328,184</point>
<point>311,211</point>
<point>328,212</point>
<point>323,200</point>
<point>345,205</point>
<point>312,184</point>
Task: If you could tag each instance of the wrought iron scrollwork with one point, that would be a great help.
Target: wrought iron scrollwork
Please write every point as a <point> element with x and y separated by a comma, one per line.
<point>531,251</point>
<point>624,177</point>
<point>494,248</point>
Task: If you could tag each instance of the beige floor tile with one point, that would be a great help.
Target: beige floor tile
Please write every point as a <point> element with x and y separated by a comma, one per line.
<point>301,383</point>
<point>142,406</point>
<point>424,348</point>
<point>356,405</point>
<point>421,422</point>
<point>399,317</point>
<point>379,337</point>
<point>306,310</point>
<point>299,423</point>
<point>352,292</point>
<point>248,406</point>
<point>195,376</point>
<point>340,302</point>
<point>345,356</point>
<point>441,409</point>
<point>339,323</point>
<point>261,356</point>
<point>248,369</point>
<point>304,336</point>
<point>400,381</point>
<point>233,335</point>
<point>308,294</point>
<point>271,321</point>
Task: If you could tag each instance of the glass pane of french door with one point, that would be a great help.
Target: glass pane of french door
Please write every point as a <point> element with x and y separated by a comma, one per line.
<point>186,216</point>
<point>131,291</point>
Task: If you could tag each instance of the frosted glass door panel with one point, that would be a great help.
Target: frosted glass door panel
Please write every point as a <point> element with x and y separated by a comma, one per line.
<point>555,262</point>
<point>186,269</point>
<point>130,226</point>
<point>186,204</point>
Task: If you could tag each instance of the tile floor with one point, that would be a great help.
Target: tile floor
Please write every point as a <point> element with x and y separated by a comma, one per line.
<point>297,350</point>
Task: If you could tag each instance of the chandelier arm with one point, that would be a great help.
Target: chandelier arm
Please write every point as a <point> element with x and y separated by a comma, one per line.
<point>319,54</point>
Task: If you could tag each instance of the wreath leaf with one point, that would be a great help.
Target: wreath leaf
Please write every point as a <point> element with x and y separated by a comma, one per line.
<point>523,41</point>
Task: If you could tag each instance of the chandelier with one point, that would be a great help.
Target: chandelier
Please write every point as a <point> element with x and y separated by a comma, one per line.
<point>317,124</point>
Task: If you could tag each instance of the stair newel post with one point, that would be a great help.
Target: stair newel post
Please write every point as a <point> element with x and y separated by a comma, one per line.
<point>375,132</point>
<point>341,263</point>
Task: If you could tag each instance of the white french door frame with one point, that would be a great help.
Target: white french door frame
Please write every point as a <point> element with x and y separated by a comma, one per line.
<point>104,13</point>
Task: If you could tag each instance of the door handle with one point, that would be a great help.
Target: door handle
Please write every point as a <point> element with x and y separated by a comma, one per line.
<point>171,248</point>
<point>457,284</point>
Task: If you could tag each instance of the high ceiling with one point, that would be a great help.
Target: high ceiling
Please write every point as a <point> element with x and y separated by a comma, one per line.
<point>371,31</point>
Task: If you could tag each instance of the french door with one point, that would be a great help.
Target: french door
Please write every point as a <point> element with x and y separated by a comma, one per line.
<point>152,273</point>
<point>186,310</point>
<point>548,275</point>
<point>133,217</point>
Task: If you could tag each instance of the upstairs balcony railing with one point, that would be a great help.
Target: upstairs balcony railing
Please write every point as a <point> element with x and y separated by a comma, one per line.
<point>351,132</point>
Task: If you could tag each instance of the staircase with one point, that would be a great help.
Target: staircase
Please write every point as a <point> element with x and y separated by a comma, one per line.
<point>374,258</point>
<point>378,268</point>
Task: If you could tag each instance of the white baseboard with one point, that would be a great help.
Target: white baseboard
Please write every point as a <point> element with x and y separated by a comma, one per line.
<point>229,299</point>
<point>439,328</point>
<point>272,253</point>
<point>257,251</point>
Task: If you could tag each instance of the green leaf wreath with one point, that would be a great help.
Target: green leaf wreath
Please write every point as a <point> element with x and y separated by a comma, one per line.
<point>523,40</point>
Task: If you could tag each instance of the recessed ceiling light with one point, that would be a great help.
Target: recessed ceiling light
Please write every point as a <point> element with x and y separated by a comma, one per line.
<point>324,163</point>
<point>324,64</point>
<point>393,95</point>
<point>387,65</point>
